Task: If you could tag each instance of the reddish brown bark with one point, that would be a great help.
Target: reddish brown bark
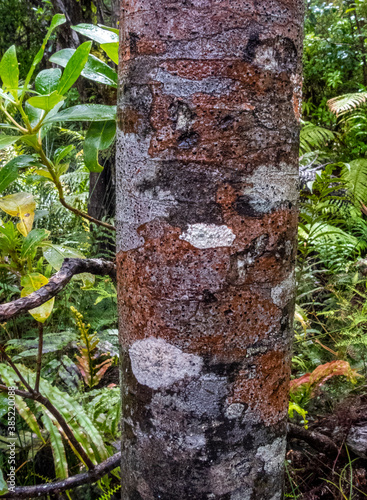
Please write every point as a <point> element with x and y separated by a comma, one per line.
<point>207,181</point>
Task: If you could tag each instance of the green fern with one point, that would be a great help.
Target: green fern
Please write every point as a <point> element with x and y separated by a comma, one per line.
<point>110,493</point>
<point>355,175</point>
<point>314,137</point>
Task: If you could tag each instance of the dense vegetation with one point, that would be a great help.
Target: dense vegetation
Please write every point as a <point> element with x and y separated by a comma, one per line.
<point>48,157</point>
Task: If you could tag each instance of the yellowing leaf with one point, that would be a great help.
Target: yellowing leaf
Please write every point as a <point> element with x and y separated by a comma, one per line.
<point>31,283</point>
<point>20,205</point>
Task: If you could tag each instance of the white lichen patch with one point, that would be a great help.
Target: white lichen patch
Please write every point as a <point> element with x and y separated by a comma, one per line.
<point>185,87</point>
<point>272,455</point>
<point>234,410</point>
<point>282,293</point>
<point>266,58</point>
<point>269,186</point>
<point>208,236</point>
<point>158,364</point>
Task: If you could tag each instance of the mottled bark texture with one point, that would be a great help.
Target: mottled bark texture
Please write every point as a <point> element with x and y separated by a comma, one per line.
<point>207,190</point>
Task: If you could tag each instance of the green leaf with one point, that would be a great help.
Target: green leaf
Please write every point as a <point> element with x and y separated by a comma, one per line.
<point>3,484</point>
<point>62,152</point>
<point>99,136</point>
<point>57,446</point>
<point>46,102</point>
<point>34,114</point>
<point>30,139</point>
<point>6,96</point>
<point>57,20</point>
<point>47,80</point>
<point>84,112</point>
<point>88,280</point>
<point>32,241</point>
<point>95,69</point>
<point>84,430</point>
<point>30,283</point>
<point>21,406</point>
<point>108,28</point>
<point>96,33</point>
<point>74,67</point>
<point>7,140</point>
<point>9,71</point>
<point>112,50</point>
<point>43,173</point>
<point>9,172</point>
<point>55,254</point>
<point>20,205</point>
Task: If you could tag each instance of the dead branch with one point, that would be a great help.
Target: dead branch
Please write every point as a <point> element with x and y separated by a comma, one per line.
<point>316,440</point>
<point>57,282</point>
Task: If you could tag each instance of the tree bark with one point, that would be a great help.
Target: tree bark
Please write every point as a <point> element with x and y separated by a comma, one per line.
<point>207,197</point>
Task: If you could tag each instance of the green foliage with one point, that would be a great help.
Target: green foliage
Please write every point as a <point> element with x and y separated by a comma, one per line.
<point>314,137</point>
<point>94,69</point>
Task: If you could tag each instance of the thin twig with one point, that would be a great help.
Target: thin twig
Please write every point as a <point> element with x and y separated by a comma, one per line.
<point>60,190</point>
<point>20,376</point>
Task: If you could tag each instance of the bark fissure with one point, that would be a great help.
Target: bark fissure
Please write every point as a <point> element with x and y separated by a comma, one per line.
<point>207,194</point>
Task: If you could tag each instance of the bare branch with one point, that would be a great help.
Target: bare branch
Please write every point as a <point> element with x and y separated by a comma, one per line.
<point>57,283</point>
<point>316,440</point>
<point>66,484</point>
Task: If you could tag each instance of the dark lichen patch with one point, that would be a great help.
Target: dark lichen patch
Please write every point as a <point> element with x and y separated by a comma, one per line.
<point>188,140</point>
<point>133,40</point>
<point>244,205</point>
<point>249,52</point>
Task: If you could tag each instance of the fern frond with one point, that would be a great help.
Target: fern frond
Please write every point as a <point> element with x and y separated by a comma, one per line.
<point>313,137</point>
<point>355,175</point>
<point>346,103</point>
<point>109,493</point>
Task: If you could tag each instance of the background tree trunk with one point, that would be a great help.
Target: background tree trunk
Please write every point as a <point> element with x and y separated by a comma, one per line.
<point>207,191</point>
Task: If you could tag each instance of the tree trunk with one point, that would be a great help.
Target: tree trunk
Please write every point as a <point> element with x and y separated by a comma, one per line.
<point>80,11</point>
<point>207,191</point>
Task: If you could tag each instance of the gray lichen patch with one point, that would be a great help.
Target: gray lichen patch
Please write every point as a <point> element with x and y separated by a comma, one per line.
<point>272,455</point>
<point>283,293</point>
<point>269,186</point>
<point>208,236</point>
<point>135,206</point>
<point>158,364</point>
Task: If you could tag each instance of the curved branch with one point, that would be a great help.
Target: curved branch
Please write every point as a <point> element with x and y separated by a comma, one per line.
<point>316,440</point>
<point>66,484</point>
<point>57,282</point>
